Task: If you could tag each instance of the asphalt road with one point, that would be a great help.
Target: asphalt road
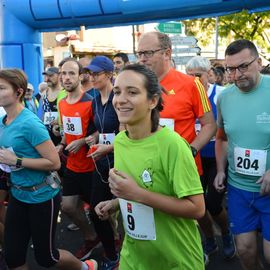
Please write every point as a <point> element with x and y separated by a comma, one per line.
<point>72,240</point>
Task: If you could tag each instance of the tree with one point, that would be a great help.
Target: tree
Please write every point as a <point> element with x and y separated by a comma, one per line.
<point>254,27</point>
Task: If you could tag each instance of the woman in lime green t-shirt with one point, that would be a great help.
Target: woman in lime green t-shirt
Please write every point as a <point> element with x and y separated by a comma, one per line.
<point>155,181</point>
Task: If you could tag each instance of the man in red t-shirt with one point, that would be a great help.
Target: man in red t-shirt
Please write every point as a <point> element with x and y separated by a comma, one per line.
<point>186,99</point>
<point>77,123</point>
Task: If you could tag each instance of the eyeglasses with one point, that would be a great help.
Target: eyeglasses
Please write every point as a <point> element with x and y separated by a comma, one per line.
<point>242,68</point>
<point>148,54</point>
<point>195,75</point>
<point>96,74</point>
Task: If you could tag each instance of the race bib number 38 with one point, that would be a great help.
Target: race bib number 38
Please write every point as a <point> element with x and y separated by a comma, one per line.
<point>72,125</point>
<point>250,161</point>
<point>138,220</point>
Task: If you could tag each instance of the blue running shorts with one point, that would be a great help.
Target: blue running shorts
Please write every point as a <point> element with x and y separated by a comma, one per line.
<point>248,211</point>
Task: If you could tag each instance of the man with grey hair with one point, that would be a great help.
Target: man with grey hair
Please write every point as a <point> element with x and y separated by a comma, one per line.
<point>243,140</point>
<point>199,66</point>
<point>42,87</point>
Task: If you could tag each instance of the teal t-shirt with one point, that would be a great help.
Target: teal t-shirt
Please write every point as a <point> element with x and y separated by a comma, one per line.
<point>24,133</point>
<point>167,158</point>
<point>245,118</point>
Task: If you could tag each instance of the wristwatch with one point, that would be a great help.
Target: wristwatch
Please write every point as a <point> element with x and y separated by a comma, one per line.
<point>19,162</point>
<point>194,151</point>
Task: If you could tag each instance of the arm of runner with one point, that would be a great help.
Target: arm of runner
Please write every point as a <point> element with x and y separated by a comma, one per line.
<point>56,129</point>
<point>49,160</point>
<point>221,159</point>
<point>208,130</point>
<point>60,147</point>
<point>101,150</point>
<point>92,139</point>
<point>264,181</point>
<point>75,146</point>
<point>106,208</point>
<point>123,186</point>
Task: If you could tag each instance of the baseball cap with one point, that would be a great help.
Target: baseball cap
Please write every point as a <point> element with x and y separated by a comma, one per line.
<point>101,63</point>
<point>30,86</point>
<point>51,70</point>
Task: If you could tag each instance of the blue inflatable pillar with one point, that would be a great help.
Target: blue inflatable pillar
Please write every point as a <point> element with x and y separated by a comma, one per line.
<point>20,46</point>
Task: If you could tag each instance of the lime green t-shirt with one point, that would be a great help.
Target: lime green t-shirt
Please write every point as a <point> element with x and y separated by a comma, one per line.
<point>245,118</point>
<point>62,94</point>
<point>167,160</point>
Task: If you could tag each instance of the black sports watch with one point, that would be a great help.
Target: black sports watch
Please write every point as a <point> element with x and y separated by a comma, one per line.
<point>19,162</point>
<point>194,151</point>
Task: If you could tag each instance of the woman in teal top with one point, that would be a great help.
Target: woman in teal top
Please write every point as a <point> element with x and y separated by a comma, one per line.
<point>155,181</point>
<point>27,151</point>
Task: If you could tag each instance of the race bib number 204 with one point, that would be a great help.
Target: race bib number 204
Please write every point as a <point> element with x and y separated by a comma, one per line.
<point>250,161</point>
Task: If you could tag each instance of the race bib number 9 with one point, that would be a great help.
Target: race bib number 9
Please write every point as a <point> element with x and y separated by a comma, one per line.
<point>138,220</point>
<point>72,125</point>
<point>250,161</point>
<point>49,117</point>
<point>106,138</point>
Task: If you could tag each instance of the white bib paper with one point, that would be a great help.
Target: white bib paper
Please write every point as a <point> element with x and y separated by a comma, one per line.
<point>72,125</point>
<point>7,168</point>
<point>198,128</point>
<point>168,122</point>
<point>250,161</point>
<point>138,219</point>
<point>106,138</point>
<point>49,117</point>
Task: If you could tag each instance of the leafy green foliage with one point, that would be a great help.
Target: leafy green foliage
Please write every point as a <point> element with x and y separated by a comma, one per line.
<point>254,27</point>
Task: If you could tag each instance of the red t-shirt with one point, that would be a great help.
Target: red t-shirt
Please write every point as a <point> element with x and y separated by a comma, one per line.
<point>185,102</point>
<point>77,120</point>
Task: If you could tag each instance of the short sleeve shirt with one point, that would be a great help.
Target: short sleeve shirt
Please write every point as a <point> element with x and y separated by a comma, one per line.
<point>24,133</point>
<point>185,102</point>
<point>166,157</point>
<point>245,118</point>
<point>77,121</point>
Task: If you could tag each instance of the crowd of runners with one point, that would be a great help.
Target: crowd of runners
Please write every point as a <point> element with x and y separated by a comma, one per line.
<point>169,156</point>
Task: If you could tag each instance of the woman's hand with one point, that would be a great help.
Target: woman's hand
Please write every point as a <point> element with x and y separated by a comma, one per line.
<point>7,157</point>
<point>101,150</point>
<point>123,186</point>
<point>106,208</point>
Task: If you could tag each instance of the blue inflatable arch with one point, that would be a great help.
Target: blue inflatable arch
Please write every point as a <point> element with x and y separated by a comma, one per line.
<point>22,21</point>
